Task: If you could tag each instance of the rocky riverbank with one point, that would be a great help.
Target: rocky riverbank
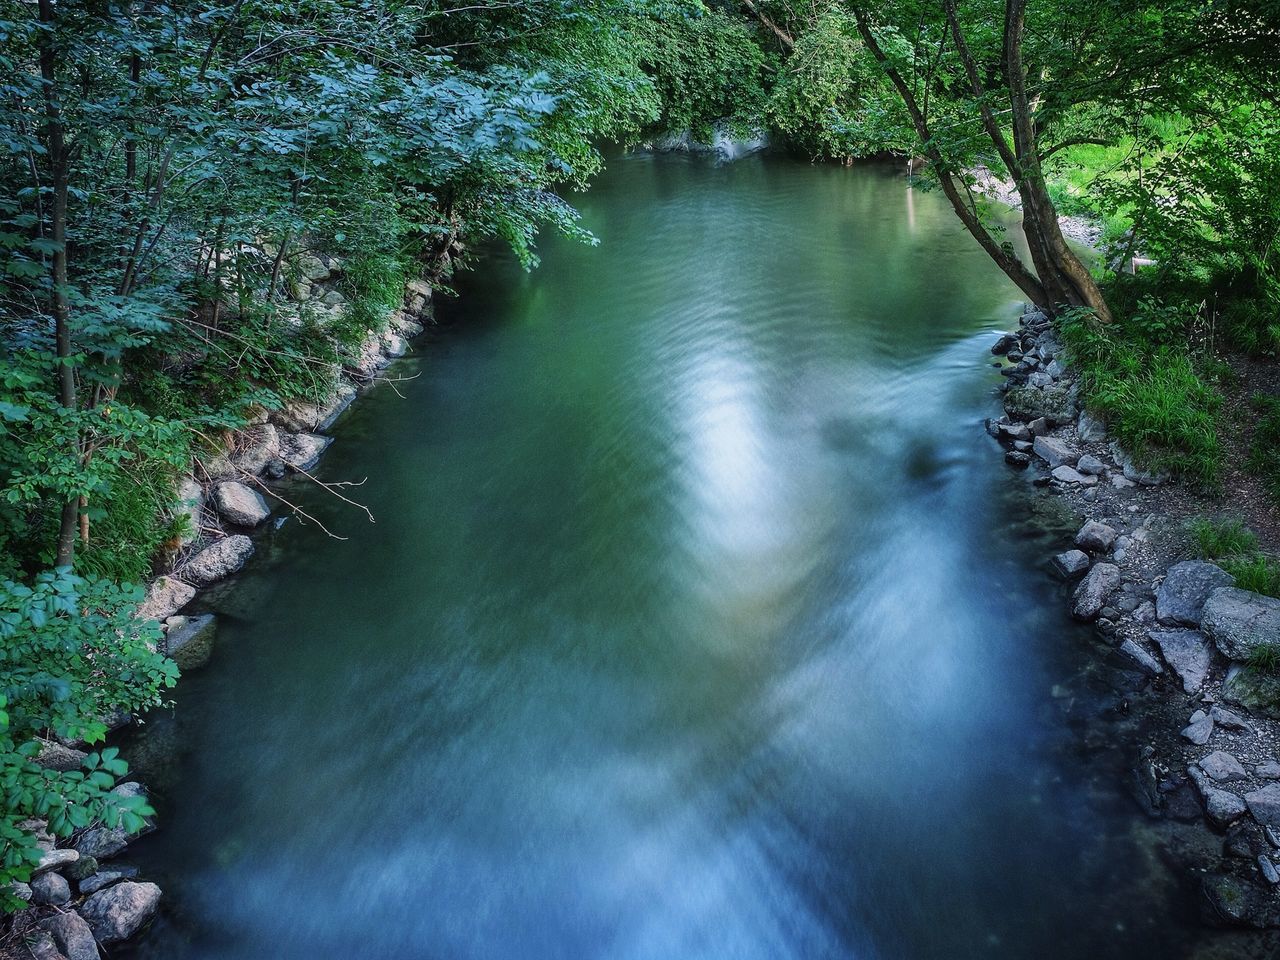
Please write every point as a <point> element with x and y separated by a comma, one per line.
<point>82,897</point>
<point>1208,757</point>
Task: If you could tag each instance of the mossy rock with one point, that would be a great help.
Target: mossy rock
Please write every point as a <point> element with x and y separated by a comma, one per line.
<point>1055,403</point>
<point>1256,691</point>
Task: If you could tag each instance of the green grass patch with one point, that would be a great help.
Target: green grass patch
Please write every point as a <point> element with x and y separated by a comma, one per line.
<point>1259,573</point>
<point>1216,539</point>
<point>1265,658</point>
<point>1264,450</point>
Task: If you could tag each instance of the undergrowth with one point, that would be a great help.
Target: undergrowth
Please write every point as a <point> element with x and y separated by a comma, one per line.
<point>1234,547</point>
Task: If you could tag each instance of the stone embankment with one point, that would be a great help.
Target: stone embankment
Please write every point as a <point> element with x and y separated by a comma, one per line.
<point>1179,622</point>
<point>81,897</point>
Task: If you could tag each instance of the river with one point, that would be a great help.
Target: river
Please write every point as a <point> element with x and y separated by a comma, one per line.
<point>700,619</point>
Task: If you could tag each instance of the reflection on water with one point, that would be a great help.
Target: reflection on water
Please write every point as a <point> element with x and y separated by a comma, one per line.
<point>692,625</point>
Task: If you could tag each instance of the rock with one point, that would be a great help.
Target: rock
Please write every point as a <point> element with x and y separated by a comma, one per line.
<point>1268,869</point>
<point>1231,721</point>
<point>1096,536</point>
<point>1146,612</point>
<point>1066,474</point>
<point>190,504</point>
<point>1120,483</point>
<point>1239,622</point>
<point>1021,446</point>
<point>1222,766</point>
<point>165,597</point>
<point>1056,369</point>
<point>1222,806</point>
<point>1093,590</point>
<point>117,912</point>
<point>1038,427</point>
<point>105,878</point>
<point>1268,770</point>
<point>1134,473</point>
<point>50,889</point>
<point>1014,431</point>
<point>393,345</point>
<point>256,447</point>
<point>1264,804</point>
<point>311,267</point>
<point>102,843</point>
<point>1187,652</point>
<point>54,860</point>
<point>1019,461</point>
<point>1040,379</point>
<point>219,560</point>
<point>1199,729</point>
<point>1056,404</point>
<point>1090,428</point>
<point>333,298</point>
<point>1186,587</point>
<point>300,451</point>
<point>1054,452</point>
<point>239,504</point>
<point>58,756</point>
<point>1259,692</point>
<point>84,867</point>
<point>189,640</point>
<point>43,948</point>
<point>422,289</point>
<point>1071,563</point>
<point>1144,660</point>
<point>310,416</point>
<point>21,890</point>
<point>73,936</point>
<point>1091,465</point>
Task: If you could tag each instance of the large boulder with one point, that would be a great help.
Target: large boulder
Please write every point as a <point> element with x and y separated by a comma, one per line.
<point>256,447</point>
<point>1055,452</point>
<point>50,889</point>
<point>311,267</point>
<point>240,504</point>
<point>1186,587</point>
<point>1092,593</point>
<point>1240,622</point>
<point>300,451</point>
<point>165,597</point>
<point>73,936</point>
<point>55,860</point>
<point>102,843</point>
<point>315,416</point>
<point>117,912</point>
<point>1264,804</point>
<point>188,641</point>
<point>1096,536</point>
<point>1057,403</point>
<point>1188,653</point>
<point>219,560</point>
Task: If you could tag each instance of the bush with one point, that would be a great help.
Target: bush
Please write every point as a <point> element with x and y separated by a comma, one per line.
<point>72,653</point>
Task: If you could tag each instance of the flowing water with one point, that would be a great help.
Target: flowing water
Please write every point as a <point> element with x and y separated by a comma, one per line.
<point>700,619</point>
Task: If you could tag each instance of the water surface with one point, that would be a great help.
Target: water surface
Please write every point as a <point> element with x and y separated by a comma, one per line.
<point>700,620</point>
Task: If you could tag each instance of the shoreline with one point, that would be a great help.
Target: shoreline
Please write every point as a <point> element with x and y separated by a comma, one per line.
<point>80,897</point>
<point>1206,764</point>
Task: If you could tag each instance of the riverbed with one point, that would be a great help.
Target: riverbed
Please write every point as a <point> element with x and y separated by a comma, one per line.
<point>698,620</point>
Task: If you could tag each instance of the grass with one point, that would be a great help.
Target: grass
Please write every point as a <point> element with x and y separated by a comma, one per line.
<point>1235,548</point>
<point>1264,451</point>
<point>1265,658</point>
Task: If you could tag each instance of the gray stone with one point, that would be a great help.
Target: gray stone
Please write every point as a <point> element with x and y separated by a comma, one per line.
<point>394,345</point>
<point>218,560</point>
<point>1014,431</point>
<point>1039,427</point>
<point>1269,872</point>
<point>190,504</point>
<point>1146,661</point>
<point>189,640</point>
<point>311,267</point>
<point>256,447</point>
<point>1055,452</point>
<point>50,889</point>
<point>1066,474</point>
<point>1231,721</point>
<point>165,597</point>
<point>1239,622</point>
<point>105,878</point>
<point>1199,729</point>
<point>333,298</point>
<point>310,416</point>
<point>420,288</point>
<point>1071,563</point>
<point>1091,465</point>
<point>1222,766</point>
<point>43,948</point>
<point>1186,587</point>
<point>117,912</point>
<point>1090,428</point>
<point>1146,612</point>
<point>1056,404</point>
<point>1222,806</point>
<point>1120,483</point>
<point>1040,379</point>
<point>1268,770</point>
<point>1093,590</point>
<point>102,843</point>
<point>1017,460</point>
<point>73,936</point>
<point>55,860</point>
<point>1096,536</point>
<point>1056,369</point>
<point>1134,473</point>
<point>240,505</point>
<point>21,890</point>
<point>58,756</point>
<point>1264,804</point>
<point>301,451</point>
<point>1188,653</point>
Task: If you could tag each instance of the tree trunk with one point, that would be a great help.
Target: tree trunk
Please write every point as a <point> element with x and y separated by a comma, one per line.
<point>55,144</point>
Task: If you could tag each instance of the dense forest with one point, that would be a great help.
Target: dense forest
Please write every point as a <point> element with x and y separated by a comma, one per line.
<point>177,176</point>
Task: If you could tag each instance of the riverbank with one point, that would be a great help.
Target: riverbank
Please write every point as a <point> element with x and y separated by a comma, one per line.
<point>81,896</point>
<point>1207,717</point>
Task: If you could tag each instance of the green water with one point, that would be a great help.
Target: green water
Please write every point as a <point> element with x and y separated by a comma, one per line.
<point>699,620</point>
